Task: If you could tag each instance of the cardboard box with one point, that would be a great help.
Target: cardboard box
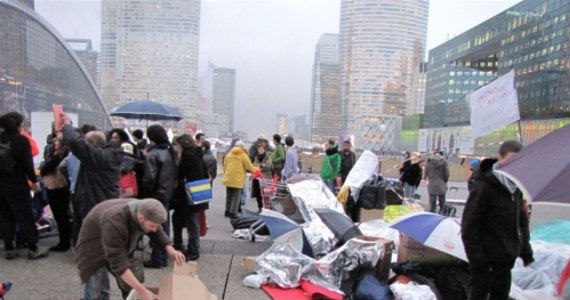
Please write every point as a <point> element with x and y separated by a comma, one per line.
<point>181,284</point>
<point>383,266</point>
<point>249,263</point>
<point>411,250</point>
<point>371,214</point>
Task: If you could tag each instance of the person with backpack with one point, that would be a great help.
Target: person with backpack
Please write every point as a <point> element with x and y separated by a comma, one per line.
<point>16,168</point>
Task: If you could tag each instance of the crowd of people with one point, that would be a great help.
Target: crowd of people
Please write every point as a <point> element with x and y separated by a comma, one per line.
<point>106,191</point>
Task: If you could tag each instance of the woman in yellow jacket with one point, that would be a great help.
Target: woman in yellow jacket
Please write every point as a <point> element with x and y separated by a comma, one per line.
<point>236,164</point>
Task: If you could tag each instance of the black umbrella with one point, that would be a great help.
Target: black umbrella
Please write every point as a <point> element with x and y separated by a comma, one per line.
<point>542,168</point>
<point>342,227</point>
<point>147,110</point>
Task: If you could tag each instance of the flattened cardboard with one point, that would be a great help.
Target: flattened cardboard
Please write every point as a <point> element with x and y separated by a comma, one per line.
<point>383,265</point>
<point>411,250</point>
<point>249,263</point>
<point>181,284</point>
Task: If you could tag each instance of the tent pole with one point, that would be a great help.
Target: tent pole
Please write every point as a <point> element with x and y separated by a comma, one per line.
<point>520,131</point>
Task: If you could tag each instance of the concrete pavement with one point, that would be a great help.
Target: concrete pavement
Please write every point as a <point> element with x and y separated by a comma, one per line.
<point>219,267</point>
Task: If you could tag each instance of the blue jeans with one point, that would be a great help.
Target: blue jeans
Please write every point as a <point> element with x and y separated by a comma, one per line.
<point>329,184</point>
<point>409,190</point>
<point>432,201</point>
<point>97,286</point>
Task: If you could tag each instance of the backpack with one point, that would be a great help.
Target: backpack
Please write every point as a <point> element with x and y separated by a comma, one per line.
<point>7,161</point>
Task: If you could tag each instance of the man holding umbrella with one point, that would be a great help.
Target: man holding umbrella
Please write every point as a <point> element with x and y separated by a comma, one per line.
<point>495,230</point>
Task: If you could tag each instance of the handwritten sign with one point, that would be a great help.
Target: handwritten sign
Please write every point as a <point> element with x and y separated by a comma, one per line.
<point>494,105</point>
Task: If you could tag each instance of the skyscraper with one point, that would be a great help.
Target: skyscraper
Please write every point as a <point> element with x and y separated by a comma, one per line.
<point>326,118</point>
<point>381,44</point>
<point>149,49</point>
<point>84,50</point>
<point>223,91</point>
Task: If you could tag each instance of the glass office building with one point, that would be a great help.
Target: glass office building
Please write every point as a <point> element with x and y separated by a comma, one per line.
<point>326,121</point>
<point>533,37</point>
<point>38,69</point>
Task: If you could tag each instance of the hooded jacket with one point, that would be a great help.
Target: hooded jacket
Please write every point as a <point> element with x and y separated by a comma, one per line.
<point>160,174</point>
<point>437,173</point>
<point>236,164</point>
<point>495,226</point>
<point>331,163</point>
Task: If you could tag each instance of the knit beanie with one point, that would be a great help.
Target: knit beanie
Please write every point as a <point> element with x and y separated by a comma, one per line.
<point>152,210</point>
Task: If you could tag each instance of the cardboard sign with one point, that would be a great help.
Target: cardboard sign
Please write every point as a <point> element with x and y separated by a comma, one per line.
<point>58,120</point>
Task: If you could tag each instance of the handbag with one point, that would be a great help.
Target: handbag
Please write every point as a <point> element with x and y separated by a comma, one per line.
<point>373,194</point>
<point>198,192</point>
<point>54,181</point>
<point>128,186</point>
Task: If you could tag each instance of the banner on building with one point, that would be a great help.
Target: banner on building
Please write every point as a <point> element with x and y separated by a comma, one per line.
<point>494,105</point>
<point>451,140</point>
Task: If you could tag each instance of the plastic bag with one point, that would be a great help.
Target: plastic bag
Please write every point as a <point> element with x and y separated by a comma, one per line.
<point>412,291</point>
<point>554,232</point>
<point>255,281</point>
<point>364,168</point>
<point>283,265</point>
<point>538,281</point>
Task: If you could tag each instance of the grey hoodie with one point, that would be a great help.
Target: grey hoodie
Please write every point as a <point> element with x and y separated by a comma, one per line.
<point>437,174</point>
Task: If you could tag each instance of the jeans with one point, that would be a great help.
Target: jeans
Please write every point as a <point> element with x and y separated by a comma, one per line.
<point>159,255</point>
<point>233,197</point>
<point>409,190</point>
<point>97,286</point>
<point>432,201</point>
<point>329,184</point>
<point>184,219</point>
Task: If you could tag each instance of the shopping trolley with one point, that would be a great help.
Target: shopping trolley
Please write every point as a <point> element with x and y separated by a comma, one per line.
<point>275,196</point>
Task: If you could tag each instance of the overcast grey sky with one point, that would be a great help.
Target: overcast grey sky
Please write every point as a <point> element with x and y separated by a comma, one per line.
<point>270,43</point>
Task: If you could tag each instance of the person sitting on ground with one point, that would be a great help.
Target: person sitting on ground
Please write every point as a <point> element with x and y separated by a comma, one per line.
<point>108,239</point>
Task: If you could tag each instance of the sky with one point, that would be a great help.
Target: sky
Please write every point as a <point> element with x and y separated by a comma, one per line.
<point>270,43</point>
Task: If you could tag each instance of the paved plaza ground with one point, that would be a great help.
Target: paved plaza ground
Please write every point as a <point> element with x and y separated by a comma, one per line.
<point>219,266</point>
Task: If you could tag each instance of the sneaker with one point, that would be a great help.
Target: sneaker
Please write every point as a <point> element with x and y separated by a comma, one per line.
<point>11,254</point>
<point>38,253</point>
<point>151,264</point>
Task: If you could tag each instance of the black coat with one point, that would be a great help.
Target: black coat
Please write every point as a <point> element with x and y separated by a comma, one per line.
<point>412,175</point>
<point>159,179</point>
<point>192,167</point>
<point>22,153</point>
<point>495,226</point>
<point>99,173</point>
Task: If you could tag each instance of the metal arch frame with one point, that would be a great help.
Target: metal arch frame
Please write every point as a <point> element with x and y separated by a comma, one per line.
<point>51,30</point>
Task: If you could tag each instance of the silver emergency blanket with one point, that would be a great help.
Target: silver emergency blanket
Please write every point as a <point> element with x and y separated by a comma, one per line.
<point>308,195</point>
<point>381,229</point>
<point>283,265</point>
<point>332,269</point>
<point>365,167</point>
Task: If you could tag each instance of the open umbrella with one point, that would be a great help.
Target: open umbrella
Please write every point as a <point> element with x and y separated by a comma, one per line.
<point>542,168</point>
<point>342,226</point>
<point>286,231</point>
<point>434,231</point>
<point>147,110</point>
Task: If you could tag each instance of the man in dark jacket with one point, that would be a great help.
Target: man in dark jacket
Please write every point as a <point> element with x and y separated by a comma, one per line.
<point>210,161</point>
<point>15,202</point>
<point>411,177</point>
<point>348,160</point>
<point>495,230</point>
<point>99,172</point>
<point>108,239</point>
<point>159,181</point>
<point>437,174</point>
